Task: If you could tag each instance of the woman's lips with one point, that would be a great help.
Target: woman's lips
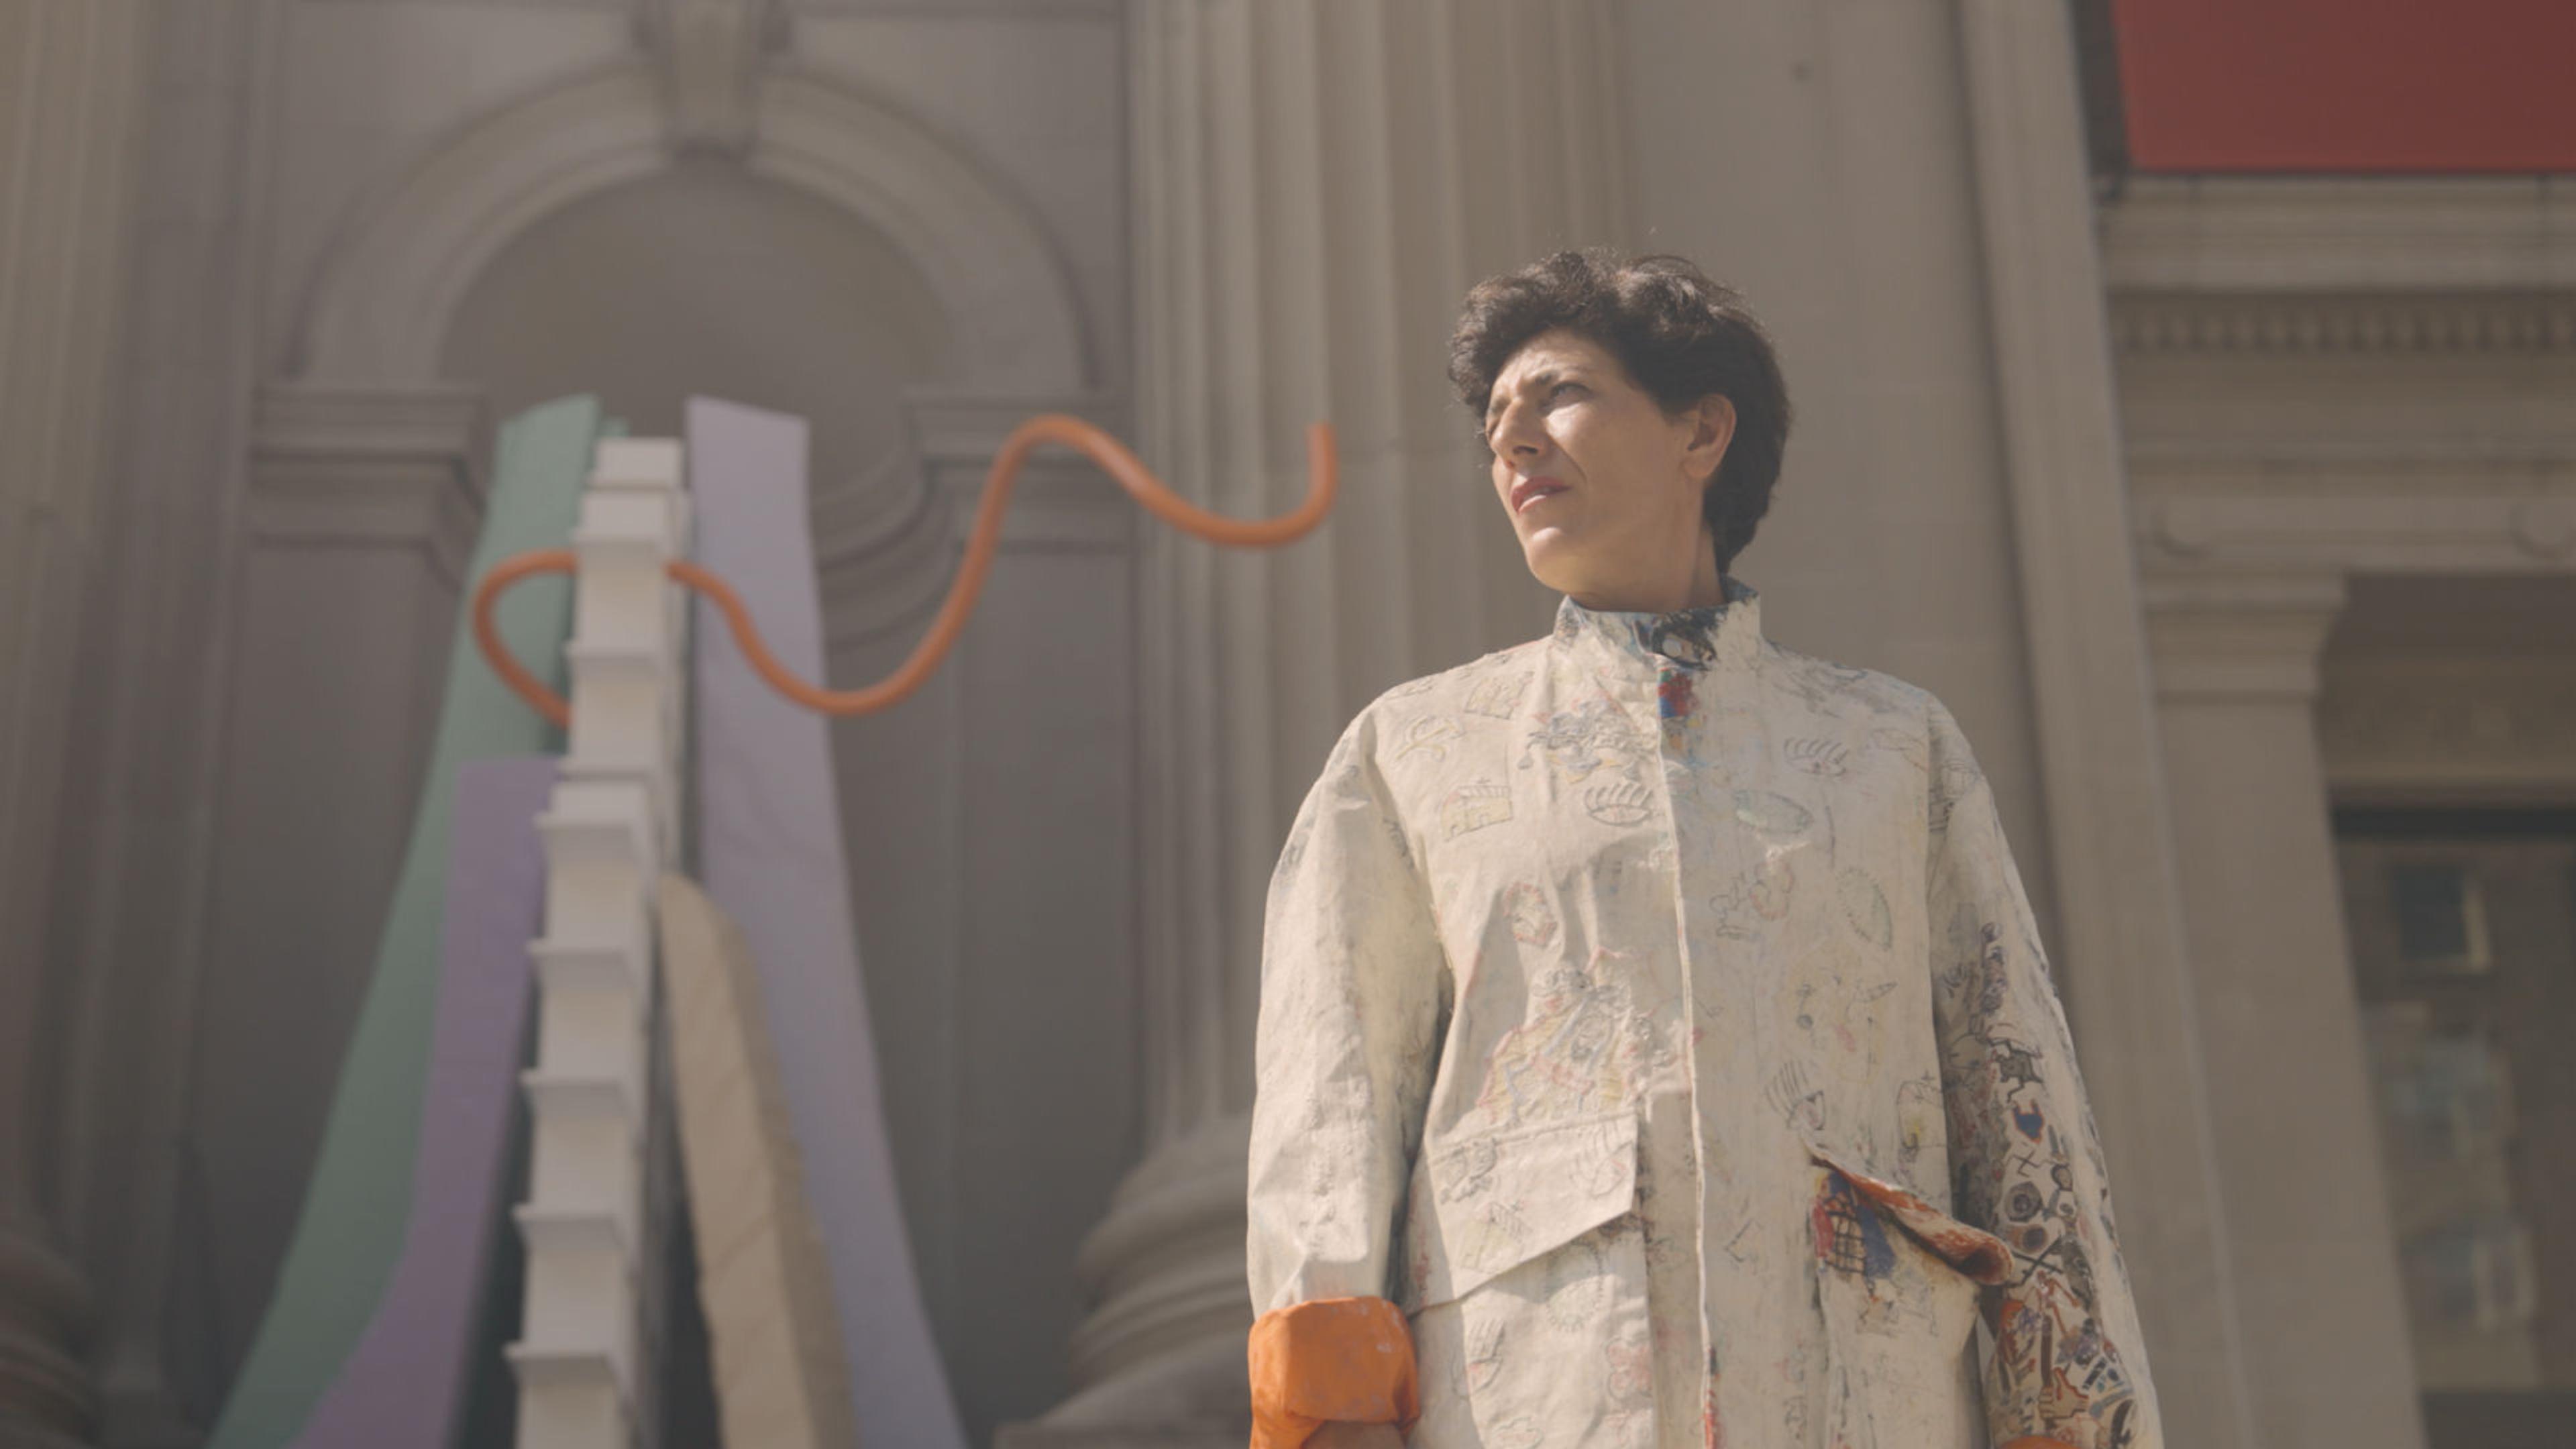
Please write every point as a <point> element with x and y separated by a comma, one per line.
<point>1531,490</point>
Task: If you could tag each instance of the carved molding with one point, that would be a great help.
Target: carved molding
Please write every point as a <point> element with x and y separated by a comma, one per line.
<point>1061,500</point>
<point>2437,324</point>
<point>376,466</point>
<point>2451,724</point>
<point>1089,10</point>
<point>403,260</point>
<point>2376,429</point>
<point>710,53</point>
<point>2266,234</point>
<point>857,518</point>
<point>2264,518</point>
<point>2243,570</point>
<point>2437,385</point>
<point>888,547</point>
<point>303,419</point>
<point>2239,636</point>
<point>1010,303</point>
<point>953,424</point>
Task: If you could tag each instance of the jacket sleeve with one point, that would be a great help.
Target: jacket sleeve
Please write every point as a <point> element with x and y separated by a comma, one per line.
<point>2065,1365</point>
<point>1352,987</point>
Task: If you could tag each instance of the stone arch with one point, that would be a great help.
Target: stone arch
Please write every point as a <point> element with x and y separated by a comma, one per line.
<point>380,302</point>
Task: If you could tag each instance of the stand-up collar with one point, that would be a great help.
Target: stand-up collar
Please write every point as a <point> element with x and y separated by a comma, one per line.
<point>1695,639</point>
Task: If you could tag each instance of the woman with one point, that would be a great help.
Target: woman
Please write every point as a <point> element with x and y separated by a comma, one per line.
<point>1655,1049</point>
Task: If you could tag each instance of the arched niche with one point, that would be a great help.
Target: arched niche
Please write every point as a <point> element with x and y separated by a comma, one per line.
<point>704,278</point>
<point>391,282</point>
<point>560,243</point>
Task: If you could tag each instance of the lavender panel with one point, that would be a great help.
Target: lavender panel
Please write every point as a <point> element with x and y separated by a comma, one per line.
<point>403,1385</point>
<point>769,843</point>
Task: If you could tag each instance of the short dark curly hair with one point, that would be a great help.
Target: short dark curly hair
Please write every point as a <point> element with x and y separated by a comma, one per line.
<point>1681,337</point>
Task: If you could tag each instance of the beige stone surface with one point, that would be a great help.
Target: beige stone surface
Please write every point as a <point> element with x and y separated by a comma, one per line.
<point>761,1275</point>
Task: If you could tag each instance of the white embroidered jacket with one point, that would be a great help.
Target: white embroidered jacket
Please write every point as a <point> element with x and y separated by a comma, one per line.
<point>1654,1015</point>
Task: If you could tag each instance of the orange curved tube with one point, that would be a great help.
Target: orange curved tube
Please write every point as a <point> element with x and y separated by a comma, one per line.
<point>1323,472</point>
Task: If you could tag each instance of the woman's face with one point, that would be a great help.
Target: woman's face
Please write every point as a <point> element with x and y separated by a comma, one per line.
<point>1602,489</point>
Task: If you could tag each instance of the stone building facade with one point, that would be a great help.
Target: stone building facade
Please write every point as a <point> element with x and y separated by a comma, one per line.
<point>2213,503</point>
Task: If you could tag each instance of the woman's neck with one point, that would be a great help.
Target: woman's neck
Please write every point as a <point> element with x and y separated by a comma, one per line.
<point>1705,589</point>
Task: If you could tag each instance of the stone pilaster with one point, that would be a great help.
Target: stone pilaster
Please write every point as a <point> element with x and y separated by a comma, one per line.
<point>2324,1323</point>
<point>70,94</point>
<point>1316,187</point>
<point>2119,918</point>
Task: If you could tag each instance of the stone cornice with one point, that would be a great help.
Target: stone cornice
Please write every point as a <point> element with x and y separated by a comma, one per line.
<point>309,420</point>
<point>370,465</point>
<point>2250,234</point>
<point>2363,410</point>
<point>2251,520</point>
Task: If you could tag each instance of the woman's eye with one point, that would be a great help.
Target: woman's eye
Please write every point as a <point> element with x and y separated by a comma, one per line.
<point>1562,387</point>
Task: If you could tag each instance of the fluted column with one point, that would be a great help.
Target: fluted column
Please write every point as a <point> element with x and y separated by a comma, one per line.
<point>1317,184</point>
<point>134,849</point>
<point>69,92</point>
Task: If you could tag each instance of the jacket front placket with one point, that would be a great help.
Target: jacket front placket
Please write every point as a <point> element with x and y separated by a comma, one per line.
<point>1672,665</point>
<point>1682,658</point>
<point>1739,842</point>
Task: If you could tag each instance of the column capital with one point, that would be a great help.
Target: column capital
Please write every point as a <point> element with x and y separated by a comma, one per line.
<point>2240,636</point>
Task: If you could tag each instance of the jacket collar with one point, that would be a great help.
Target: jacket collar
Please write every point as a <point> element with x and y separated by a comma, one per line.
<point>1695,639</point>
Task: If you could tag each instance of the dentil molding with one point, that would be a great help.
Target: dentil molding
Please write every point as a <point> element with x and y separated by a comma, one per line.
<point>2436,324</point>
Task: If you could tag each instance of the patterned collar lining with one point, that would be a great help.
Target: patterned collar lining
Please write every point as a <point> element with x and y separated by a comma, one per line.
<point>1692,638</point>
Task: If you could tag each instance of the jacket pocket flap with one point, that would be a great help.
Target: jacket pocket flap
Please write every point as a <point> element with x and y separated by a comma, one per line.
<point>1486,1204</point>
<point>1973,1251</point>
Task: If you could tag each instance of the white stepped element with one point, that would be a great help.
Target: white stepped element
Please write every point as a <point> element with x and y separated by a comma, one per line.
<point>587,1339</point>
<point>631,625</point>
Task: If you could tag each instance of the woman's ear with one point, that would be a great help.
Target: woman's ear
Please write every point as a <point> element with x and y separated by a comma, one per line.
<point>1712,428</point>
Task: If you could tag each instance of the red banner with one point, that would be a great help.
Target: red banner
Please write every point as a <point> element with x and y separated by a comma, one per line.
<point>2349,85</point>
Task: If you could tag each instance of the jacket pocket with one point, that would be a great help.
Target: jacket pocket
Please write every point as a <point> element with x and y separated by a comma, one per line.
<point>1525,1286</point>
<point>1483,1205</point>
<point>1972,1251</point>
<point>1898,1282</point>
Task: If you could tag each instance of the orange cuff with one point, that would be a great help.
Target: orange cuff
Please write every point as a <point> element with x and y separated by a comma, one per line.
<point>1328,1360</point>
